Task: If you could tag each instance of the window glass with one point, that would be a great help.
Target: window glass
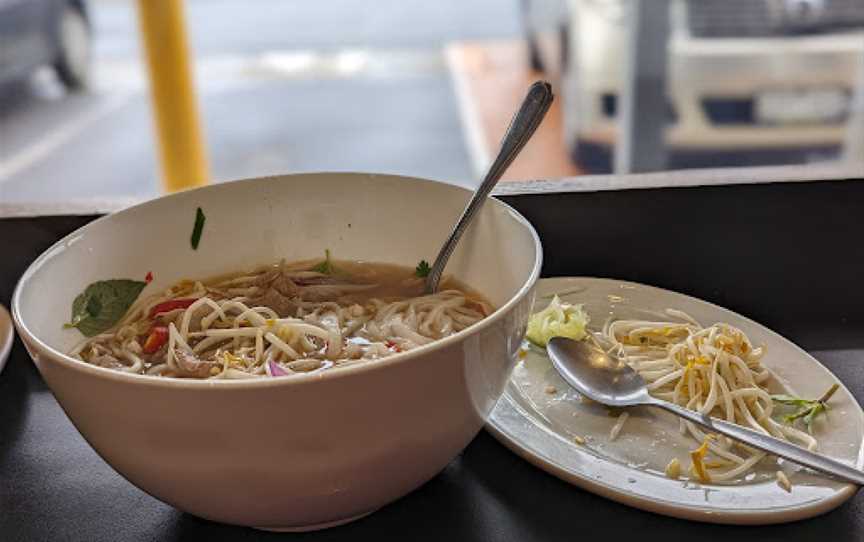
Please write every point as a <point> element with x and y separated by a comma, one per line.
<point>422,88</point>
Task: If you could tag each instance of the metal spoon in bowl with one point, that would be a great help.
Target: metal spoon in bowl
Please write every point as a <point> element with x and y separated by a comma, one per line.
<point>587,368</point>
<point>521,128</point>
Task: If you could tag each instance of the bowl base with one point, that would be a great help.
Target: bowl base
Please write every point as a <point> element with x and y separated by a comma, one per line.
<point>315,526</point>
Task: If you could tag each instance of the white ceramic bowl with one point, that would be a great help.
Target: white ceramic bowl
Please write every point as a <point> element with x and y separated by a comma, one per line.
<point>311,450</point>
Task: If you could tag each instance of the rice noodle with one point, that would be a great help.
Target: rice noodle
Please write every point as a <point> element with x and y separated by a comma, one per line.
<point>289,314</point>
<point>713,370</point>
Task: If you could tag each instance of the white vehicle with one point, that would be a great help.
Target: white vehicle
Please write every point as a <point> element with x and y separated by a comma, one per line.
<point>762,81</point>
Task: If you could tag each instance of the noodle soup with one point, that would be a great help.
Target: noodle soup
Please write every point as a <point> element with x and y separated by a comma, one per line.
<point>283,319</point>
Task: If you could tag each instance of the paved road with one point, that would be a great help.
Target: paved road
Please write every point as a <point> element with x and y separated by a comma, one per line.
<point>284,87</point>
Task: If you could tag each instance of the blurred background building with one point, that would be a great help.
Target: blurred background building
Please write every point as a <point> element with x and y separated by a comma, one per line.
<point>426,88</point>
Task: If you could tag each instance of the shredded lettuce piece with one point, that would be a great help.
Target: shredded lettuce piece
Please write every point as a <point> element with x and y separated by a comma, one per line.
<point>557,320</point>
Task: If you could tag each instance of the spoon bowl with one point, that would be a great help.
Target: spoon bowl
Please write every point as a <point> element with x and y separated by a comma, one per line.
<point>596,375</point>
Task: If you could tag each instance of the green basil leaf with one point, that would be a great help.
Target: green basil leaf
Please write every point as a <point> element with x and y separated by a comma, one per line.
<point>103,304</point>
<point>94,306</point>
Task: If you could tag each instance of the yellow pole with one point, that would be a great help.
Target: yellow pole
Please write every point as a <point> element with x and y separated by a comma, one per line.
<point>181,147</point>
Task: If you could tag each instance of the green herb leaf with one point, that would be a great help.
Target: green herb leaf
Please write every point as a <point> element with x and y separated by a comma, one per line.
<point>811,415</point>
<point>808,409</point>
<point>802,412</point>
<point>790,400</point>
<point>422,269</point>
<point>103,304</point>
<point>198,228</point>
<point>326,266</point>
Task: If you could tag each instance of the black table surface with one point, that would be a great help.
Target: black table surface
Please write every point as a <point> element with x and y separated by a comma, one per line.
<point>789,255</point>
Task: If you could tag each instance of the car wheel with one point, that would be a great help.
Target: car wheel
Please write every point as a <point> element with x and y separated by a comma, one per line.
<point>73,56</point>
<point>592,157</point>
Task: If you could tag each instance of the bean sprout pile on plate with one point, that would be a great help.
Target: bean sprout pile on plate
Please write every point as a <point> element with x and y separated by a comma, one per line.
<point>713,370</point>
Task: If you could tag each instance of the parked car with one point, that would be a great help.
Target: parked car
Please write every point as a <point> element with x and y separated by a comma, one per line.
<point>36,33</point>
<point>757,80</point>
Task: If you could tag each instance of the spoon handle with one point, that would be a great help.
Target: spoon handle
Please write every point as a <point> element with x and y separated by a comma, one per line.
<point>521,128</point>
<point>768,443</point>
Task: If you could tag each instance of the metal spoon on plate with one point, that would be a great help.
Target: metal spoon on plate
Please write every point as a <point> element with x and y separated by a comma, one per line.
<point>522,127</point>
<point>610,381</point>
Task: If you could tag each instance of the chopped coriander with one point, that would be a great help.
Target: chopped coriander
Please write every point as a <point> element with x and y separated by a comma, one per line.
<point>422,269</point>
<point>325,266</point>
<point>198,228</point>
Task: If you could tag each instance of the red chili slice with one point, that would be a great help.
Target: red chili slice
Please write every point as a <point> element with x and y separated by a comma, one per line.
<point>158,336</point>
<point>168,306</point>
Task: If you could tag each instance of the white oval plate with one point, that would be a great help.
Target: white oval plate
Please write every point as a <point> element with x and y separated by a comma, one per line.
<point>539,416</point>
<point>6,336</point>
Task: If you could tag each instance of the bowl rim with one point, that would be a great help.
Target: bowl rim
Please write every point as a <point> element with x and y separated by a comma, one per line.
<point>299,379</point>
